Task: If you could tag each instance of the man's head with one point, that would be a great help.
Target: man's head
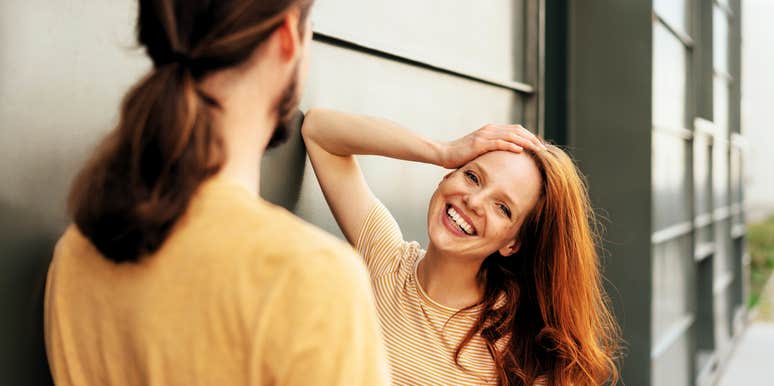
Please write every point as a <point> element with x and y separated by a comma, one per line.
<point>245,59</point>
<point>259,45</point>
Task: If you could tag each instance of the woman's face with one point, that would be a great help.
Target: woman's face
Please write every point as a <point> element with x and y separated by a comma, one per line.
<point>477,209</point>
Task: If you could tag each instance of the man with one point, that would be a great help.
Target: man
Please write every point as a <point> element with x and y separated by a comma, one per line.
<point>175,271</point>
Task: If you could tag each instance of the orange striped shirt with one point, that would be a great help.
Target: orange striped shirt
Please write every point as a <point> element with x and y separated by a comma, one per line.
<point>421,335</point>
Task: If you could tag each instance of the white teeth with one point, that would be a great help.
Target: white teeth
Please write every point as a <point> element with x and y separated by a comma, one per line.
<point>467,228</point>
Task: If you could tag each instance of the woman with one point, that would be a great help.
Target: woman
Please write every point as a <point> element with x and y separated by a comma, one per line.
<point>508,290</point>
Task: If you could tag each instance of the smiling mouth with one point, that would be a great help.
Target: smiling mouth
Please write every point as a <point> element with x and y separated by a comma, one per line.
<point>459,221</point>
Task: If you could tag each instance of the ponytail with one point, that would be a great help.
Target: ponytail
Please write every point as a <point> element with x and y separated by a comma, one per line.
<point>140,182</point>
<point>129,196</point>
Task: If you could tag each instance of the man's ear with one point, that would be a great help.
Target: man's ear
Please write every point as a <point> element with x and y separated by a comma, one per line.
<point>289,35</point>
<point>511,248</point>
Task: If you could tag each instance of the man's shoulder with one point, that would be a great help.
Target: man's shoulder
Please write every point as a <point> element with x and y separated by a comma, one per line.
<point>303,245</point>
<point>297,235</point>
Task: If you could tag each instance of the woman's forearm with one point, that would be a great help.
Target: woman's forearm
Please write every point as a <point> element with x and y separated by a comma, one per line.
<point>346,134</point>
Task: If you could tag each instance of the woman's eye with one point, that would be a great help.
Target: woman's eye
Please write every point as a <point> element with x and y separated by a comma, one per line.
<point>471,176</point>
<point>505,210</point>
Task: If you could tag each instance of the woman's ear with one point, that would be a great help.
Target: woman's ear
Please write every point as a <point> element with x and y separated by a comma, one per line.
<point>511,248</point>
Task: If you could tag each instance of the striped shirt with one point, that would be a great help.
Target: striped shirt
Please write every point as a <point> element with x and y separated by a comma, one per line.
<point>421,335</point>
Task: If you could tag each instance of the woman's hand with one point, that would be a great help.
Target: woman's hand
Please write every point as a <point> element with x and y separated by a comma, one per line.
<point>488,138</point>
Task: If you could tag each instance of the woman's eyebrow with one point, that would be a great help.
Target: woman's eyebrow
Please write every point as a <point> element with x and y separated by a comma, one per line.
<point>506,196</point>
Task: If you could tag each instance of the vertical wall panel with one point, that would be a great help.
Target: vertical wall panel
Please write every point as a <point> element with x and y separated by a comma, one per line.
<point>736,175</point>
<point>610,125</point>
<point>724,271</point>
<point>702,175</point>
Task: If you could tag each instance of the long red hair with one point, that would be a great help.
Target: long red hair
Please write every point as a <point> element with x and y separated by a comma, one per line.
<point>545,312</point>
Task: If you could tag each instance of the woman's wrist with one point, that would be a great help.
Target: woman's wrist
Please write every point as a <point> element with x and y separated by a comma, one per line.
<point>439,153</point>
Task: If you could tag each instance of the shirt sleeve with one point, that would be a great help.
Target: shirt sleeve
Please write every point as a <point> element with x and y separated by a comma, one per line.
<point>380,241</point>
<point>322,328</point>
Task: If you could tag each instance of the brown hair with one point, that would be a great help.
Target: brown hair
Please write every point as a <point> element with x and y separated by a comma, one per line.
<point>547,301</point>
<point>142,177</point>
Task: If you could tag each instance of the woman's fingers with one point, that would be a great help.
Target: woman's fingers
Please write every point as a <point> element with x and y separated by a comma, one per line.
<point>531,136</point>
<point>514,138</point>
<point>501,144</point>
<point>521,136</point>
<point>528,135</point>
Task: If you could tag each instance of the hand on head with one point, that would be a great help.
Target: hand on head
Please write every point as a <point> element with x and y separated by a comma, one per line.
<point>489,138</point>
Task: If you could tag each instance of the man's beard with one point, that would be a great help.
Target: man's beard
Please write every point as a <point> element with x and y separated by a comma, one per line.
<point>286,110</point>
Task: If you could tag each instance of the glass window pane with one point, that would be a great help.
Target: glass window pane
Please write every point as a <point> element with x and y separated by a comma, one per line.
<point>669,79</point>
<point>736,175</point>
<point>672,284</point>
<point>671,186</point>
<point>674,11</point>
<point>722,301</point>
<point>482,37</point>
<point>720,190</point>
<point>721,105</point>
<point>720,30</point>
<point>670,368</point>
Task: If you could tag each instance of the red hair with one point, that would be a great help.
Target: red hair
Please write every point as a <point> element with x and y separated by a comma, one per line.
<point>546,302</point>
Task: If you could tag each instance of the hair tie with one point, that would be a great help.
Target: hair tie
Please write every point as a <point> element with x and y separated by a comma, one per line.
<point>178,57</point>
<point>182,58</point>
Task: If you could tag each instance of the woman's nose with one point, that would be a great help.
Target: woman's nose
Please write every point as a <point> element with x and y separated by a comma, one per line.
<point>474,202</point>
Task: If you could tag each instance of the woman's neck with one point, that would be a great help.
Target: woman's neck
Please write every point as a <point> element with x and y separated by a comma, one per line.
<point>449,281</point>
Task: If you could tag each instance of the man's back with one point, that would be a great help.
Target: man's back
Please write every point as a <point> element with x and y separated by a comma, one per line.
<point>240,293</point>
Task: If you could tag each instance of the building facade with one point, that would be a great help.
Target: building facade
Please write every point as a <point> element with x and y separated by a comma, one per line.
<point>644,94</point>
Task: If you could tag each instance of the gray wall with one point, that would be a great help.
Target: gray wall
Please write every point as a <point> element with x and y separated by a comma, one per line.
<point>64,67</point>
<point>609,101</point>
